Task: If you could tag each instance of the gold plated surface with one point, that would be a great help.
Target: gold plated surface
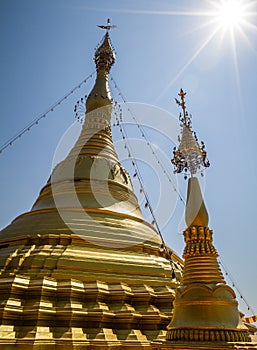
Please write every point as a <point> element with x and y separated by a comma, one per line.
<point>196,213</point>
<point>82,269</point>
<point>206,312</point>
<point>205,308</point>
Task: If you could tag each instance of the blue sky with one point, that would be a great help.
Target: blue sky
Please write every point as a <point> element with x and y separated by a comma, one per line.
<point>47,48</point>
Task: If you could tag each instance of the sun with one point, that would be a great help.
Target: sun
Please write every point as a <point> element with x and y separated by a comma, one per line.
<point>230,13</point>
<point>226,22</point>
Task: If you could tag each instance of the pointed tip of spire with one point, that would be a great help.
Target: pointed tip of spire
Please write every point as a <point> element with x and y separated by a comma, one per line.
<point>196,212</point>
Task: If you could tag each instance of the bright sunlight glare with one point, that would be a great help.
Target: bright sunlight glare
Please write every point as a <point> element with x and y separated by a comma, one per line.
<point>230,13</point>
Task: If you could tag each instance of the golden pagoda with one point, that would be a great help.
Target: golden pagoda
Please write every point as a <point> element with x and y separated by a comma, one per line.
<point>206,312</point>
<point>82,269</point>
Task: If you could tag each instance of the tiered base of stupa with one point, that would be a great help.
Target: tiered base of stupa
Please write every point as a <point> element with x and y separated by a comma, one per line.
<point>71,314</point>
<point>61,291</point>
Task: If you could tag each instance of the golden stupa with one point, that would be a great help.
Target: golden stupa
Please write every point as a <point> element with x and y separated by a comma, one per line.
<point>82,269</point>
<point>206,312</point>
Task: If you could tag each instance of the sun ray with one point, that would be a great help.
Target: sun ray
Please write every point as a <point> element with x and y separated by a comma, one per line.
<point>157,12</point>
<point>226,16</point>
<point>250,4</point>
<point>241,119</point>
<point>250,25</point>
<point>236,67</point>
<point>187,64</point>
<point>247,40</point>
<point>205,25</point>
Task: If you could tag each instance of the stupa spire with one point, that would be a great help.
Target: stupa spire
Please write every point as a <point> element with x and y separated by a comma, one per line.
<point>92,167</point>
<point>191,158</point>
<point>104,58</point>
<point>82,269</point>
<point>206,312</point>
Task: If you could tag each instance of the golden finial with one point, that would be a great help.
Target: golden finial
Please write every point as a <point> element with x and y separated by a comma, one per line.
<point>105,54</point>
<point>189,156</point>
<point>104,58</point>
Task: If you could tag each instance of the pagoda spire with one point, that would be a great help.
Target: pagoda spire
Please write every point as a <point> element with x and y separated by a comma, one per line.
<point>104,58</point>
<point>92,168</point>
<point>82,269</point>
<point>206,312</point>
<point>191,158</point>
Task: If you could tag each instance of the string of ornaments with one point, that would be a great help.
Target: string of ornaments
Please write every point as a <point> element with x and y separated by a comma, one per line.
<point>144,135</point>
<point>234,285</point>
<point>36,121</point>
<point>118,113</point>
<point>119,123</point>
<point>80,111</point>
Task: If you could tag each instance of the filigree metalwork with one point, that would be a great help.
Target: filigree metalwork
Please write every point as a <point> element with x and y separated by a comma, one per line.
<point>189,157</point>
<point>80,109</point>
<point>105,54</point>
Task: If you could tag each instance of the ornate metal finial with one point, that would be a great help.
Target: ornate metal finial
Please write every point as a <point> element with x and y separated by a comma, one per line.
<point>183,118</point>
<point>189,157</point>
<point>105,54</point>
<point>108,26</point>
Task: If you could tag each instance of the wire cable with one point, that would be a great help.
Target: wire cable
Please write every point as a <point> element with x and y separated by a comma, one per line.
<point>34,122</point>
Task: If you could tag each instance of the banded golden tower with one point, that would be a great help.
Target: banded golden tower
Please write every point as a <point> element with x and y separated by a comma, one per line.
<point>82,269</point>
<point>206,312</point>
